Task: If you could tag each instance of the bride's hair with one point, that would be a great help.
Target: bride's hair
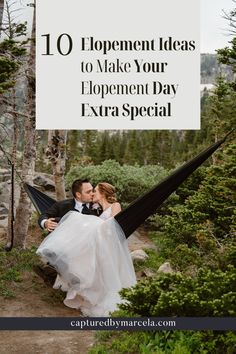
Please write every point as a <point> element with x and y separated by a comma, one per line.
<point>108,191</point>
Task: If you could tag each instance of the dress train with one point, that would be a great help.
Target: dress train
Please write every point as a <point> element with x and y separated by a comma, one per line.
<point>93,262</point>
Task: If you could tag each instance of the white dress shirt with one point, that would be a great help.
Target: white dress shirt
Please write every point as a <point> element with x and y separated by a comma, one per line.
<point>79,205</point>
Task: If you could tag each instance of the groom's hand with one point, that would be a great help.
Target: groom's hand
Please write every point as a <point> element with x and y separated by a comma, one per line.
<point>50,224</point>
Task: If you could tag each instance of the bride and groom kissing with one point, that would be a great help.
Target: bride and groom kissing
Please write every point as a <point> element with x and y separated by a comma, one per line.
<point>86,199</point>
<point>88,249</point>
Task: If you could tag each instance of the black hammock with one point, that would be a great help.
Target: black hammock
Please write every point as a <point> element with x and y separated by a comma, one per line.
<point>137,212</point>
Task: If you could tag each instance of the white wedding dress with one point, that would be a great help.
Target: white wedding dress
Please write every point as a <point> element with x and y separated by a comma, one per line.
<point>92,259</point>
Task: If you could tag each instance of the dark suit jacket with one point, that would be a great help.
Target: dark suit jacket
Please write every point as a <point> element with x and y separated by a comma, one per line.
<point>59,209</point>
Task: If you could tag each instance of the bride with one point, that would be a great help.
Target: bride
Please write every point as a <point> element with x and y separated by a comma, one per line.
<point>91,256</point>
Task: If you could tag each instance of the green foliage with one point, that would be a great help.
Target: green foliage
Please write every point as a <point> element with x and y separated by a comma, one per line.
<point>12,48</point>
<point>6,293</point>
<point>165,148</point>
<point>10,53</point>
<point>229,255</point>
<point>7,69</point>
<point>219,112</point>
<point>12,266</point>
<point>12,275</point>
<point>130,181</point>
<point>198,231</point>
<point>13,29</point>
<point>208,214</point>
<point>183,256</point>
<point>119,342</point>
<point>165,342</point>
<point>189,237</point>
<point>152,263</point>
<point>191,184</point>
<point>209,294</point>
<point>20,29</point>
<point>228,55</point>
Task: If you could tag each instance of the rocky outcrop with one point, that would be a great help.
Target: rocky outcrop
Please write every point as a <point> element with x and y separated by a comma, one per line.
<point>3,209</point>
<point>147,273</point>
<point>136,242</point>
<point>4,175</point>
<point>5,188</point>
<point>45,181</point>
<point>165,268</point>
<point>42,181</point>
<point>138,256</point>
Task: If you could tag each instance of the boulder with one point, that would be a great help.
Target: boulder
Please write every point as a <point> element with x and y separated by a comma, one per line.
<point>148,273</point>
<point>3,217</point>
<point>3,208</point>
<point>136,242</point>
<point>165,268</point>
<point>3,222</point>
<point>4,192</point>
<point>5,175</point>
<point>139,255</point>
<point>45,181</point>
<point>5,188</point>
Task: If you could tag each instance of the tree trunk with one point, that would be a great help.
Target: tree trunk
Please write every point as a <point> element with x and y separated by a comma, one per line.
<point>10,234</point>
<point>56,153</point>
<point>28,164</point>
<point>1,17</point>
<point>1,14</point>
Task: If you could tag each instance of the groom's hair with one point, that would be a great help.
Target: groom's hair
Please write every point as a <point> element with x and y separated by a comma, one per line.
<point>77,186</point>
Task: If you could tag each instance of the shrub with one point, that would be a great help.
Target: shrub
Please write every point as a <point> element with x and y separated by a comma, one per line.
<point>12,266</point>
<point>209,294</point>
<point>208,215</point>
<point>130,181</point>
<point>165,342</point>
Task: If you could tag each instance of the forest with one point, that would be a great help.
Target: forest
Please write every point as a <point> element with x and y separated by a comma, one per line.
<point>194,229</point>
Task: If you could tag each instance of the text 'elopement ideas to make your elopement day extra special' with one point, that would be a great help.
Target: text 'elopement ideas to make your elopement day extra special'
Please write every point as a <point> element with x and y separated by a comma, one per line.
<point>118,65</point>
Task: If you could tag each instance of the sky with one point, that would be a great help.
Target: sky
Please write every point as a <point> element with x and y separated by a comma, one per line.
<point>213,28</point>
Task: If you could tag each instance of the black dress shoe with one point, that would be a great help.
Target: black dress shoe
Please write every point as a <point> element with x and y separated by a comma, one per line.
<point>47,273</point>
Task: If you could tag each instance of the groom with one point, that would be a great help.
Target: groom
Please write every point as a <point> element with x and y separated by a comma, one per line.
<point>82,191</point>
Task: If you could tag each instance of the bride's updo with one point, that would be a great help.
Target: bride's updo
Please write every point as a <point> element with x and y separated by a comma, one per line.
<point>108,191</point>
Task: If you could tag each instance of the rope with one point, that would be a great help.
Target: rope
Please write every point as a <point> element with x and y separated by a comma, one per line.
<point>11,163</point>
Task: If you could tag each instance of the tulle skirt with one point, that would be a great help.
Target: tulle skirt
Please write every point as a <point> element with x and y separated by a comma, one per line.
<point>93,262</point>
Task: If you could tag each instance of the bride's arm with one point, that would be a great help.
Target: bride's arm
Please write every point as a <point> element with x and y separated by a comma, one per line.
<point>115,209</point>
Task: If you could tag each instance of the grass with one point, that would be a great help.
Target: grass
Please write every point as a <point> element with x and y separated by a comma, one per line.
<point>164,342</point>
<point>16,270</point>
<point>6,293</point>
<point>53,297</point>
<point>116,342</point>
<point>153,261</point>
<point>13,266</point>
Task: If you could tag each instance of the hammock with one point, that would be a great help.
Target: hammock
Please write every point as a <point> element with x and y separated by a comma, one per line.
<point>137,212</point>
<point>40,200</point>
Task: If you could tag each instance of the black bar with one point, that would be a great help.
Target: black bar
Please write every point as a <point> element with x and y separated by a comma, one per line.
<point>118,323</point>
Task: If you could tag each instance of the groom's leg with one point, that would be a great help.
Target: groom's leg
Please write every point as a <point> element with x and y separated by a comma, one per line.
<point>46,272</point>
